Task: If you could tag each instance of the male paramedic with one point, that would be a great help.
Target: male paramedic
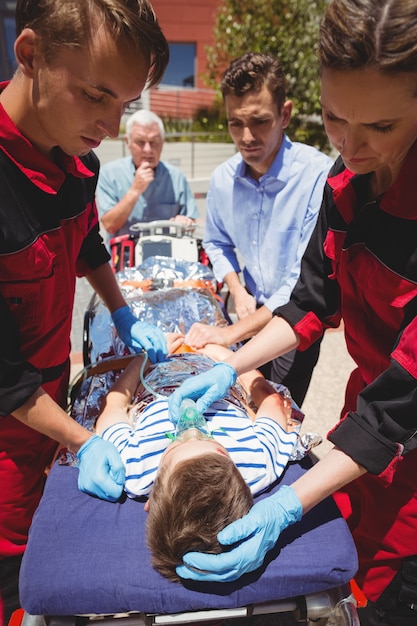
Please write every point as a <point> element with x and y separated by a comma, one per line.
<point>79,64</point>
<point>262,206</point>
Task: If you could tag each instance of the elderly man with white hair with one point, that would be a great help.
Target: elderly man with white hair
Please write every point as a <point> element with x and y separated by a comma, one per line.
<point>141,187</point>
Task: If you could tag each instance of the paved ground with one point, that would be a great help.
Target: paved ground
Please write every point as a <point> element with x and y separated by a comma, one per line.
<point>325,396</point>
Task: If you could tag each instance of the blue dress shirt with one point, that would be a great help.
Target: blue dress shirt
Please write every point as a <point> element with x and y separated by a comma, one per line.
<point>262,227</point>
<point>169,194</point>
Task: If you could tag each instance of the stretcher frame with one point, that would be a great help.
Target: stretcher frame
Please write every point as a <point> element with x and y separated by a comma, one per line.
<point>335,606</point>
<point>156,238</point>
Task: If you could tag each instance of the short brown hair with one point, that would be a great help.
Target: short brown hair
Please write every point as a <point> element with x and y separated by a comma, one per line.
<point>250,72</point>
<point>375,34</point>
<point>188,508</point>
<point>132,23</point>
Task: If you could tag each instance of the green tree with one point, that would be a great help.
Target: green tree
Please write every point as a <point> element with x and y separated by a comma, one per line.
<point>287,29</point>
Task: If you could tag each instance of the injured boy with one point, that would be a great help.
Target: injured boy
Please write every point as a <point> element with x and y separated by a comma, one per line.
<point>202,475</point>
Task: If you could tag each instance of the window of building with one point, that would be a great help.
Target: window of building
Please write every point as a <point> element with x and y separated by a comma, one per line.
<point>181,67</point>
<point>10,36</point>
<point>7,38</point>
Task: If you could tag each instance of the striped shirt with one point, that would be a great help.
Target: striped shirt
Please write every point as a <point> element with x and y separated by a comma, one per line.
<point>260,449</point>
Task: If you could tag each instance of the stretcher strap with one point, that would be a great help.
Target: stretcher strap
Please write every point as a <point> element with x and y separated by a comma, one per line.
<point>361,599</point>
<point>148,284</point>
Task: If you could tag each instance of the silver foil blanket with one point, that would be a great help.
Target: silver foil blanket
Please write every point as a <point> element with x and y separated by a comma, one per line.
<point>171,294</point>
<point>168,293</point>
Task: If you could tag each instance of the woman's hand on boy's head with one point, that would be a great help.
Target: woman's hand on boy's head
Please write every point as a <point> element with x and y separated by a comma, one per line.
<point>254,535</point>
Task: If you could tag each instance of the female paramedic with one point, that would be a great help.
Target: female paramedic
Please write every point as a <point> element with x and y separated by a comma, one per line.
<point>78,66</point>
<point>360,266</point>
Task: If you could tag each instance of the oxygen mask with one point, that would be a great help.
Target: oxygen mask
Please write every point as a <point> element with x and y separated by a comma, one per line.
<point>191,423</point>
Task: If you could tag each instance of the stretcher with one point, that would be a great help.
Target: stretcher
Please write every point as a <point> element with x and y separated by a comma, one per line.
<point>87,559</point>
<point>157,238</point>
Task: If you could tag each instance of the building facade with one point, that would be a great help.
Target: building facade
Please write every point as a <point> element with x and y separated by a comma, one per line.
<point>7,37</point>
<point>188,27</point>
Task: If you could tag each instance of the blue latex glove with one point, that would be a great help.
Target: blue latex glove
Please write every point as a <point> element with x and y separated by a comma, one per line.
<point>205,388</point>
<point>258,531</point>
<point>140,335</point>
<point>102,472</point>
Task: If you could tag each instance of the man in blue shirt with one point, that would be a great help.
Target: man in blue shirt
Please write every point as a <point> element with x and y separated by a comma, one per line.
<point>262,206</point>
<point>140,187</point>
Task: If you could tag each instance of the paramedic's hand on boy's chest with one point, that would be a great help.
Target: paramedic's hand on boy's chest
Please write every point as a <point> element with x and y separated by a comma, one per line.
<point>205,388</point>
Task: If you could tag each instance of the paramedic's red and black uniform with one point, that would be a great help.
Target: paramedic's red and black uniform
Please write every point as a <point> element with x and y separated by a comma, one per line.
<point>361,265</point>
<point>48,235</point>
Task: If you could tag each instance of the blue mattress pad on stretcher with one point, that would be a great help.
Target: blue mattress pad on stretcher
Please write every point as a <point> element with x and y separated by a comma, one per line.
<point>89,556</point>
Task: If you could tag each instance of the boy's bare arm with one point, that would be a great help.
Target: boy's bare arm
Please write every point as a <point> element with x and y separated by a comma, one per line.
<point>269,403</point>
<point>120,396</point>
<point>274,405</point>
